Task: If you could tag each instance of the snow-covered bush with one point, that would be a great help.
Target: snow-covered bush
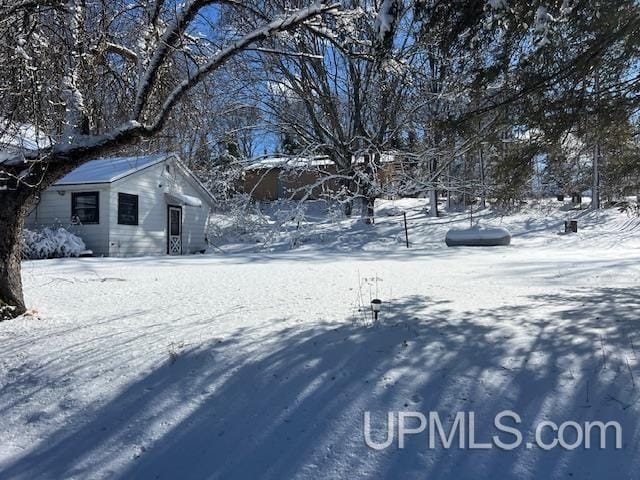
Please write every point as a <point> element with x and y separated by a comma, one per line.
<point>266,224</point>
<point>235,219</point>
<point>630,208</point>
<point>51,243</point>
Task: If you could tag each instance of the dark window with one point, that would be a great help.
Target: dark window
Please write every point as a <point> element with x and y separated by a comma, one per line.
<point>127,209</point>
<point>175,222</point>
<point>85,207</point>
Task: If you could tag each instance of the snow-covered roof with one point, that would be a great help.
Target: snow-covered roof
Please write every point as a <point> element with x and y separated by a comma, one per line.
<point>527,134</point>
<point>23,136</point>
<point>107,170</point>
<point>182,199</point>
<point>289,162</point>
<point>305,162</point>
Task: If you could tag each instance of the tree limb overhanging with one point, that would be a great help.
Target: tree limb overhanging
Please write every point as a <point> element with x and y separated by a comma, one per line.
<point>82,147</point>
<point>158,75</point>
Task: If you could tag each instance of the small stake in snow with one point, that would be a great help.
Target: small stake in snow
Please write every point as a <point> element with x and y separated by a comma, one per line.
<point>376,304</point>
<point>406,231</point>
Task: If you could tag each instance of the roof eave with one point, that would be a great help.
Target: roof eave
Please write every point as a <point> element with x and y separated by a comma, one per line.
<point>207,194</point>
<point>117,177</point>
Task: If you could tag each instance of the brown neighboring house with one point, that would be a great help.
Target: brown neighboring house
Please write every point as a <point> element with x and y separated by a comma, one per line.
<point>275,178</point>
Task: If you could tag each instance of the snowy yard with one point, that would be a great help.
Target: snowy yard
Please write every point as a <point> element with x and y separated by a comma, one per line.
<point>258,364</point>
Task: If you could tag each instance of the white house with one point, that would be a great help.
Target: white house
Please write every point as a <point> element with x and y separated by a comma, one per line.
<point>129,206</point>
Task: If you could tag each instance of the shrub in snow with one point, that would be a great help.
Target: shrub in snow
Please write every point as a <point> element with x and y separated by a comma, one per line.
<point>631,209</point>
<point>51,243</point>
<point>235,218</point>
<point>269,223</point>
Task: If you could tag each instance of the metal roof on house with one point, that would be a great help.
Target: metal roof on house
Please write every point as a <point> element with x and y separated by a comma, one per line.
<point>108,170</point>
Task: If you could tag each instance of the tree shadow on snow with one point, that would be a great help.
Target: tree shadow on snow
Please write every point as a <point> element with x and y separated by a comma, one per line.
<point>295,410</point>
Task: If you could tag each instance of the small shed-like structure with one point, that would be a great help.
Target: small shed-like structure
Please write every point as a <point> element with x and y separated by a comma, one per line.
<point>127,206</point>
<point>274,178</point>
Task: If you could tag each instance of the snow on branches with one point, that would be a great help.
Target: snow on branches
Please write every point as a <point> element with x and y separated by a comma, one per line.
<point>387,19</point>
<point>156,93</point>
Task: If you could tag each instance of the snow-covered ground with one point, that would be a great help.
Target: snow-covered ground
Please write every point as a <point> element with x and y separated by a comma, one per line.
<point>257,363</point>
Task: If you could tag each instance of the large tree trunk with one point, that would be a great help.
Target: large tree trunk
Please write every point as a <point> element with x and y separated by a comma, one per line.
<point>347,207</point>
<point>433,202</point>
<point>433,192</point>
<point>368,193</point>
<point>348,190</point>
<point>483,191</point>
<point>449,182</point>
<point>347,201</point>
<point>368,204</point>
<point>12,214</point>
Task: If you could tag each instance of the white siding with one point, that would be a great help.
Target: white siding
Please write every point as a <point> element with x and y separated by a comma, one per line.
<point>150,235</point>
<point>54,210</point>
<point>194,219</point>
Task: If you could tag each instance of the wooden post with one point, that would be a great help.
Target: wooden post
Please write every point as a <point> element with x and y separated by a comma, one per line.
<point>406,231</point>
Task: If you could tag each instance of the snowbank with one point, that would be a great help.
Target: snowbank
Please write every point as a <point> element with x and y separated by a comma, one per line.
<point>477,237</point>
<point>51,243</point>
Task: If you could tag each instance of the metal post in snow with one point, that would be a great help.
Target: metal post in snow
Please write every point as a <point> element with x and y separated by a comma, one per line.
<point>406,231</point>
